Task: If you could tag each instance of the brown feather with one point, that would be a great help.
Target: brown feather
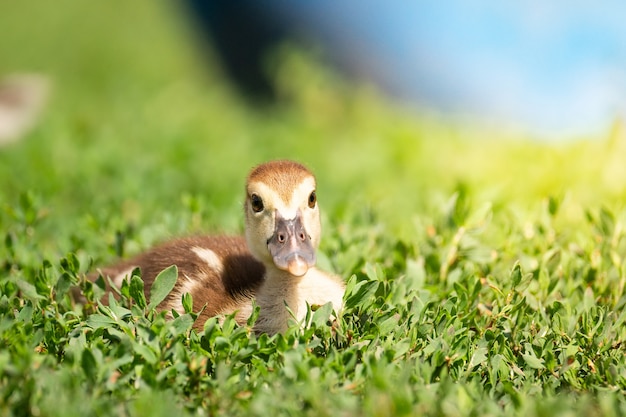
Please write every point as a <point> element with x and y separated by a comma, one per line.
<point>236,282</point>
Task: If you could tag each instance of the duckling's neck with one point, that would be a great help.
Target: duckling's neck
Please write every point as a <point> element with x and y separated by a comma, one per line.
<point>281,288</point>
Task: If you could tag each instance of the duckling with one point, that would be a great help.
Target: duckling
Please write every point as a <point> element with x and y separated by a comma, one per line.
<point>273,265</point>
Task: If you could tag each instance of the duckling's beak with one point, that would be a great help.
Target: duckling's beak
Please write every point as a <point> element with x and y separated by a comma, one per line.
<point>290,246</point>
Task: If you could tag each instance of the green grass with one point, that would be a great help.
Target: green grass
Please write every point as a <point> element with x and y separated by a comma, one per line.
<point>485,270</point>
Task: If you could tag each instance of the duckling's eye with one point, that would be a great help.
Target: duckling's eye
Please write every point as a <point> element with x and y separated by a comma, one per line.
<point>257,203</point>
<point>312,199</point>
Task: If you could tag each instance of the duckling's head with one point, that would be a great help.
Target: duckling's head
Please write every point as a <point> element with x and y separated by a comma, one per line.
<point>282,216</point>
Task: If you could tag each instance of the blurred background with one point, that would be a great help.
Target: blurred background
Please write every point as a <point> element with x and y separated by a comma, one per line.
<point>144,117</point>
<point>551,68</point>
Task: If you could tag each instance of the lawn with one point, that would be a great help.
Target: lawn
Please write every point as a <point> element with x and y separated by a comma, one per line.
<point>485,268</point>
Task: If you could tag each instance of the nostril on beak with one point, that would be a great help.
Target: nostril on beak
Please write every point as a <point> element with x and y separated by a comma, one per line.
<point>302,236</point>
<point>281,238</point>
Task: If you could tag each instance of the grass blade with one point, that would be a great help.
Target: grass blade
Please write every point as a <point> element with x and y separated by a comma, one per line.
<point>162,286</point>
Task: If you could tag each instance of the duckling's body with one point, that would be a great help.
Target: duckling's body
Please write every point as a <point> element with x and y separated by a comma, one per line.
<point>314,288</point>
<point>273,266</point>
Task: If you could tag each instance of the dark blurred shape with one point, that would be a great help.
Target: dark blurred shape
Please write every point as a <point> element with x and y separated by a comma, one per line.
<point>241,33</point>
